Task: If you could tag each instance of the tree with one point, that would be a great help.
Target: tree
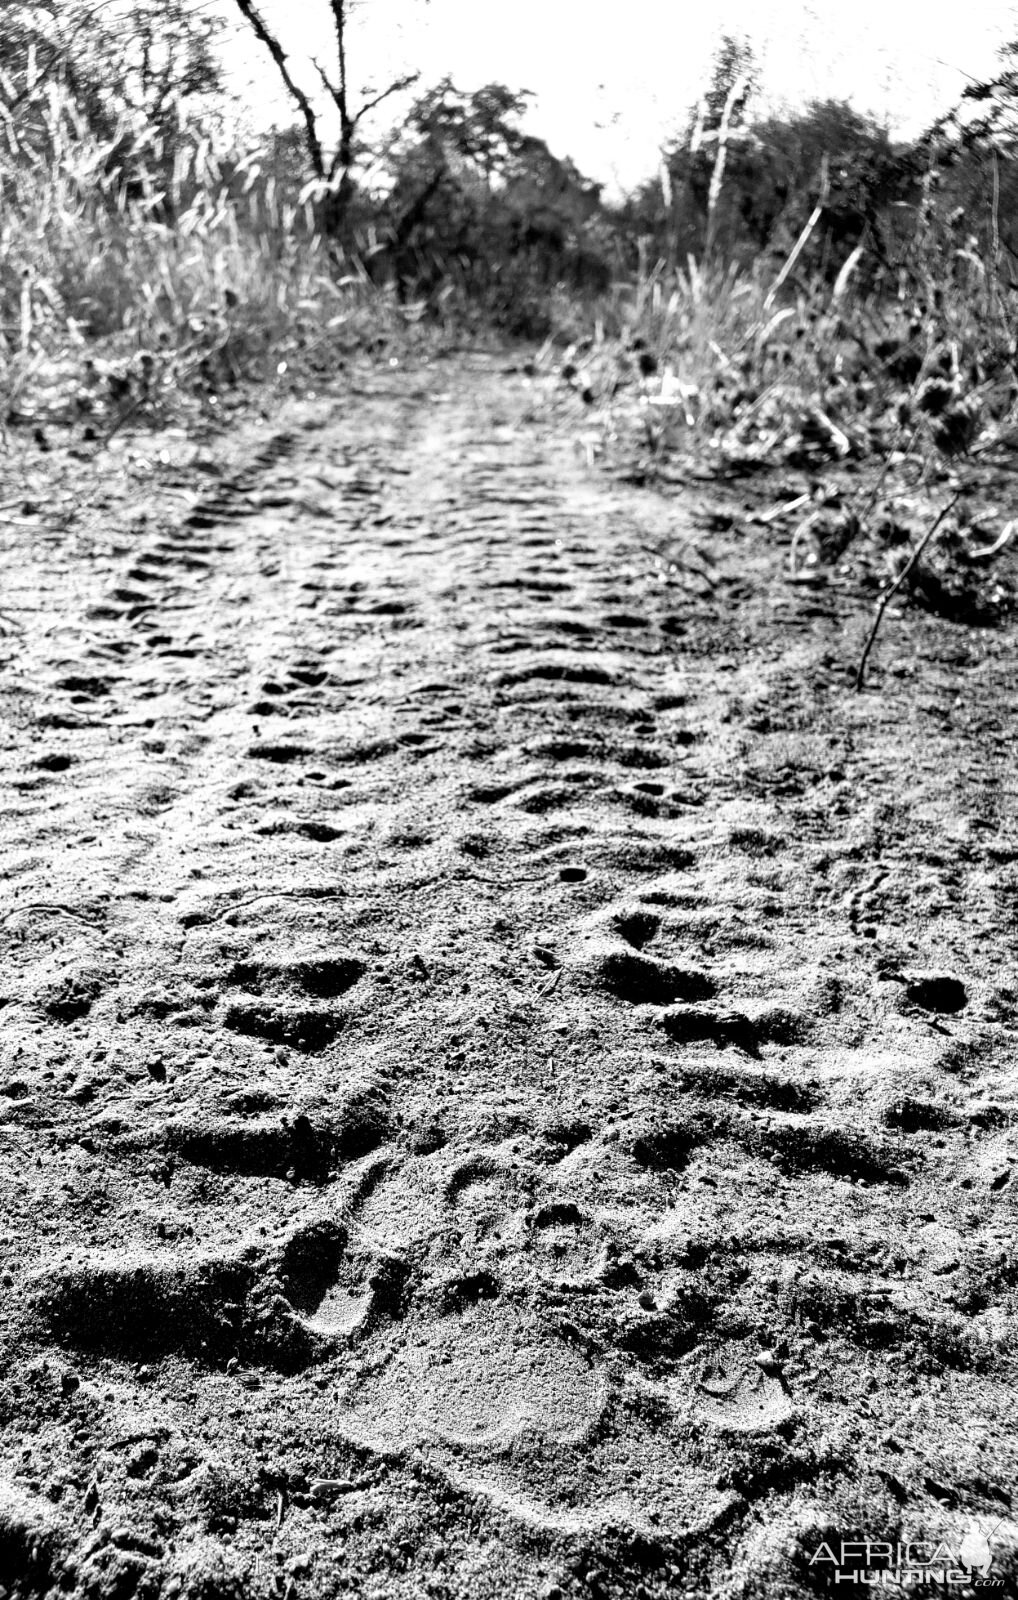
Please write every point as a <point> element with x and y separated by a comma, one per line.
<point>771,183</point>
<point>865,175</point>
<point>42,50</point>
<point>167,60</point>
<point>452,149</point>
<point>973,150</point>
<point>996,121</point>
<point>734,76</point>
<point>478,203</point>
<point>332,172</point>
<point>696,162</point>
<point>133,82</point>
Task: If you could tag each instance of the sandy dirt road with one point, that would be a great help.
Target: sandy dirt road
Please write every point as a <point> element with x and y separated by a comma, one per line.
<point>508,1068</point>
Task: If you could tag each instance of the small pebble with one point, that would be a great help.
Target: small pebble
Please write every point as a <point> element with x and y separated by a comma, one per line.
<point>324,1488</point>
<point>770,1363</point>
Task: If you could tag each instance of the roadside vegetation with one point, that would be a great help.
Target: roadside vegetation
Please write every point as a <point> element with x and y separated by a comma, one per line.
<point>795,302</point>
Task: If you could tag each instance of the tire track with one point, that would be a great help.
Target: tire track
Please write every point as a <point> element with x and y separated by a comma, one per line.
<point>498,1041</point>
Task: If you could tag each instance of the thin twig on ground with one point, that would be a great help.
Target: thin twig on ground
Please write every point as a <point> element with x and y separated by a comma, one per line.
<point>896,585</point>
<point>876,487</point>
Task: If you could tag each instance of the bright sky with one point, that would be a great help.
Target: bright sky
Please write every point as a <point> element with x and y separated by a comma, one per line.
<point>613,80</point>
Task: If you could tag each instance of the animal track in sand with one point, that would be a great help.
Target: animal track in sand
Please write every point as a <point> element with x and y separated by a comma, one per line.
<point>480,1377</point>
<point>323,976</point>
<point>556,672</point>
<point>197,1307</point>
<point>611,956</point>
<point>796,1144</point>
<point>337,1285</point>
<point>306,1028</point>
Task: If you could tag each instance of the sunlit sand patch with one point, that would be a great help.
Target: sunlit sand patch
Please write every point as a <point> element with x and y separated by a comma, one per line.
<point>341,1311</point>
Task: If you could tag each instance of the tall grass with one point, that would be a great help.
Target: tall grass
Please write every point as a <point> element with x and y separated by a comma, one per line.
<point>779,362</point>
<point>173,272</point>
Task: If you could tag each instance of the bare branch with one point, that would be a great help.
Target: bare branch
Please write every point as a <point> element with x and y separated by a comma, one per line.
<point>394,88</point>
<point>343,158</point>
<point>338,8</point>
<point>296,93</point>
<point>896,585</point>
<point>327,83</point>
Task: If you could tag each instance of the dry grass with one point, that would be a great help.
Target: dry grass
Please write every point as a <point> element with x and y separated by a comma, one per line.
<point>731,362</point>
<point>877,398</point>
<point>198,278</point>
